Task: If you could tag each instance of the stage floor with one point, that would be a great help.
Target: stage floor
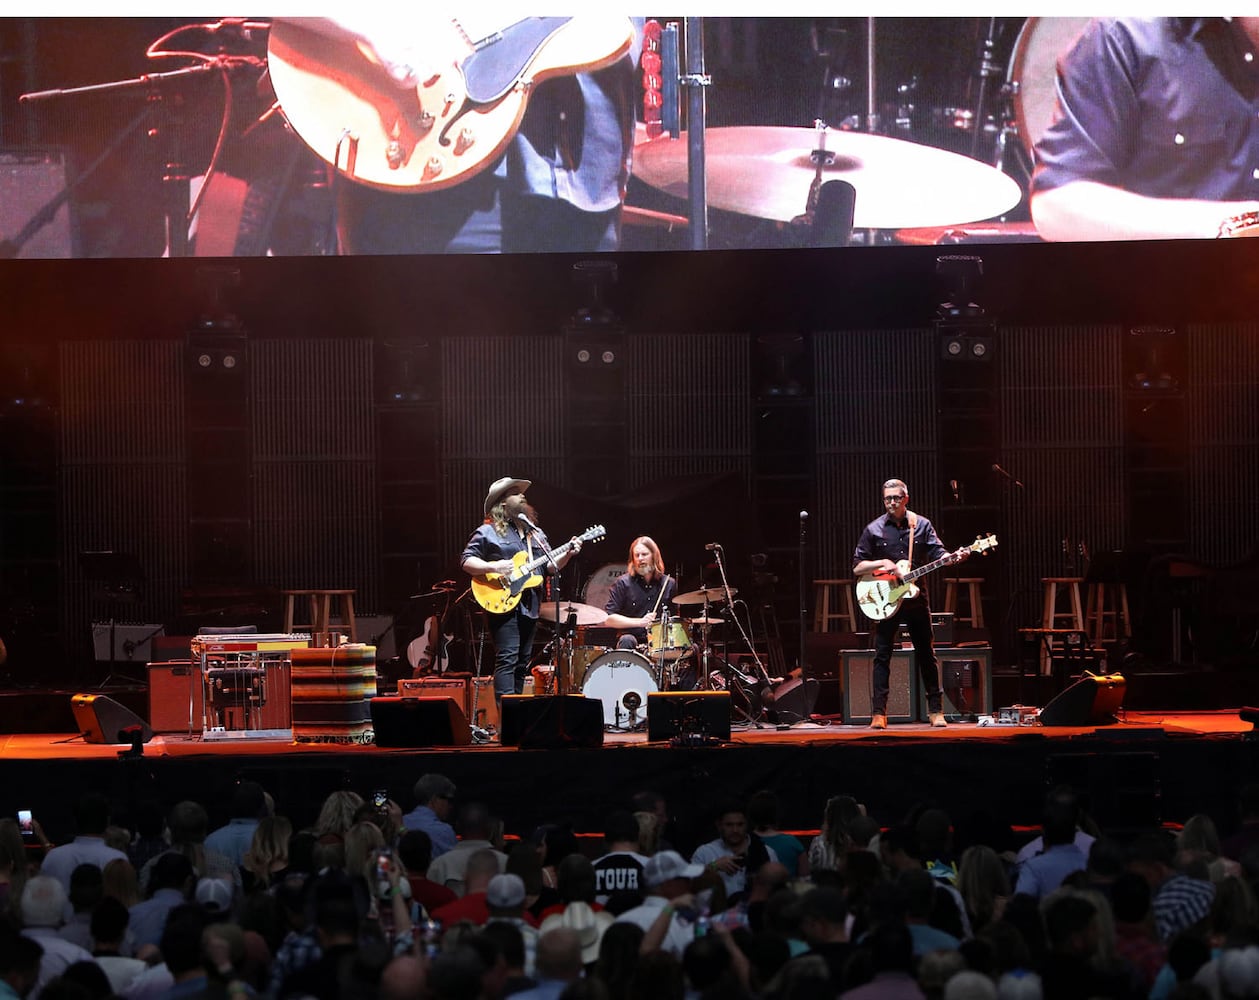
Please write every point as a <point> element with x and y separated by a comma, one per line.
<point>1151,767</point>
<point>1222,723</point>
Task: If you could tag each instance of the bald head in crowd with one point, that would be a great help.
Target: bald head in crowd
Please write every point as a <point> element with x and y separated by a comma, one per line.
<point>559,955</point>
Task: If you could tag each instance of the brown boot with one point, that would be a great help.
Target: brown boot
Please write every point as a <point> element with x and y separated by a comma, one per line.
<point>937,720</point>
<point>878,721</point>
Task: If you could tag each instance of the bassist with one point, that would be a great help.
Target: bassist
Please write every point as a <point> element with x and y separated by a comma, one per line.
<point>901,536</point>
<point>490,550</point>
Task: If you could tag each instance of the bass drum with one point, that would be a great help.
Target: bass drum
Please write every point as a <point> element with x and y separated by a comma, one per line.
<point>1033,72</point>
<point>598,586</point>
<point>621,679</point>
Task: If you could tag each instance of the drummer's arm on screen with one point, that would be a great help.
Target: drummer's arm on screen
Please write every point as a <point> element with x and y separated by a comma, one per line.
<point>1088,210</point>
<point>622,621</point>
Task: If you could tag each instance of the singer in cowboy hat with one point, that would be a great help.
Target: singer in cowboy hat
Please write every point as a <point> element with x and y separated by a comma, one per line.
<point>506,531</point>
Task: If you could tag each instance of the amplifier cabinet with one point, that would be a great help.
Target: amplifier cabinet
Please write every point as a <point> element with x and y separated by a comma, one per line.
<point>966,676</point>
<point>857,673</point>
<point>454,685</point>
<point>172,687</point>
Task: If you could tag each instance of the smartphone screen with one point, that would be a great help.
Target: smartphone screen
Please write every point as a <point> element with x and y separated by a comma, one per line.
<point>24,821</point>
<point>380,798</point>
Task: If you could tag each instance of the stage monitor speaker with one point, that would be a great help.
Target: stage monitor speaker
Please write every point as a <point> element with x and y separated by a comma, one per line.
<point>551,722</point>
<point>793,701</point>
<point>704,714</point>
<point>419,722</point>
<point>1090,701</point>
<point>966,677</point>
<point>857,672</point>
<point>102,720</point>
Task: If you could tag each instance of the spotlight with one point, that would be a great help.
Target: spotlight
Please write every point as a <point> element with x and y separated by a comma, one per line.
<point>608,357</point>
<point>229,361</point>
<point>204,360</point>
<point>583,356</point>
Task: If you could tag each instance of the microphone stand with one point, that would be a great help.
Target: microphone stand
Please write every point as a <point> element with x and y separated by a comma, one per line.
<point>563,629</point>
<point>804,518</point>
<point>175,179</point>
<point>734,676</point>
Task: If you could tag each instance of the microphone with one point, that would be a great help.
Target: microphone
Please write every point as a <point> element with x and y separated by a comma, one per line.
<point>524,519</point>
<point>712,545</point>
<point>1001,472</point>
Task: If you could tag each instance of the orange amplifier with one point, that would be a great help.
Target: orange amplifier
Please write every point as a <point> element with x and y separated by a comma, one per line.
<point>455,686</point>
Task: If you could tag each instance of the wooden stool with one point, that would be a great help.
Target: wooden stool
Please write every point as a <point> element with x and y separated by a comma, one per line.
<point>841,608</point>
<point>1054,618</point>
<point>320,613</point>
<point>1108,606</point>
<point>974,600</point>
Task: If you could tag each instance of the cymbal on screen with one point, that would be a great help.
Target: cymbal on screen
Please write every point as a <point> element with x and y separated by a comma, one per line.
<point>709,594</point>
<point>587,614</point>
<point>766,172</point>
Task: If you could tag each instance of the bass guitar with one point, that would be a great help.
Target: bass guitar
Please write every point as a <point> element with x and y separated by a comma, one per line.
<point>500,592</point>
<point>880,595</point>
<point>464,108</point>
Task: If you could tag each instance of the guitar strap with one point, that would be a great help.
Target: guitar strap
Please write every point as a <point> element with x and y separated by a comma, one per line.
<point>913,526</point>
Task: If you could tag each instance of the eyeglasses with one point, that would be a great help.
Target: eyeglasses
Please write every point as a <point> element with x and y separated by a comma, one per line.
<point>894,498</point>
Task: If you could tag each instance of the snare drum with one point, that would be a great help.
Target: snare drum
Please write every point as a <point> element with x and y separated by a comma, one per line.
<point>670,643</point>
<point>621,679</point>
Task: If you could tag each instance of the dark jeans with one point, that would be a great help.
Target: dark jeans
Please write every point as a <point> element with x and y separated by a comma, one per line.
<point>917,615</point>
<point>478,216</point>
<point>513,644</point>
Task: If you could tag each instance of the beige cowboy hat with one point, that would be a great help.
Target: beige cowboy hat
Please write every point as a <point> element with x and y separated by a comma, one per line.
<point>504,487</point>
<point>589,925</point>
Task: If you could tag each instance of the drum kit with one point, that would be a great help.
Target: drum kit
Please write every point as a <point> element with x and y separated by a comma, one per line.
<point>676,655</point>
<point>920,192</point>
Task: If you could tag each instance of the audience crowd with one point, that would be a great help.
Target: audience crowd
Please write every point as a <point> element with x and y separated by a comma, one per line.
<point>369,901</point>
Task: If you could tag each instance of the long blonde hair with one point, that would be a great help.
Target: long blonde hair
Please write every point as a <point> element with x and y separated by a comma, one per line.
<point>121,881</point>
<point>336,815</point>
<point>269,850</point>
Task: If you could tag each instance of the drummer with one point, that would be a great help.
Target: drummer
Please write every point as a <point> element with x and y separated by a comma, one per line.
<point>640,596</point>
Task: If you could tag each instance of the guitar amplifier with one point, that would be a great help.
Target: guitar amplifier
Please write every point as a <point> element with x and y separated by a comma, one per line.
<point>857,672</point>
<point>966,677</point>
<point>452,685</point>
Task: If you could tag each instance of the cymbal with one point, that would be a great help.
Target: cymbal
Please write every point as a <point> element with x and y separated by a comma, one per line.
<point>587,614</point>
<point>705,621</point>
<point>710,594</point>
<point>765,171</point>
<point>984,232</point>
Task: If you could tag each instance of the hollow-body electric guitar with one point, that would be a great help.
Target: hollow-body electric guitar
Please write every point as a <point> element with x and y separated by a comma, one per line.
<point>879,596</point>
<point>500,592</point>
<point>467,102</point>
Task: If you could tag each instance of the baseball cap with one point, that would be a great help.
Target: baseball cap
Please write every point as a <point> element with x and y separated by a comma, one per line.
<point>215,894</point>
<point>667,865</point>
<point>505,891</point>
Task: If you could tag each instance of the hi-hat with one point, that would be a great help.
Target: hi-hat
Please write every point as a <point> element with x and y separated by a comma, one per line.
<point>705,621</point>
<point>766,171</point>
<point>587,614</point>
<point>709,594</point>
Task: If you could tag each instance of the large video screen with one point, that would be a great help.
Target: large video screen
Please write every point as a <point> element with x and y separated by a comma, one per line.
<point>423,133</point>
